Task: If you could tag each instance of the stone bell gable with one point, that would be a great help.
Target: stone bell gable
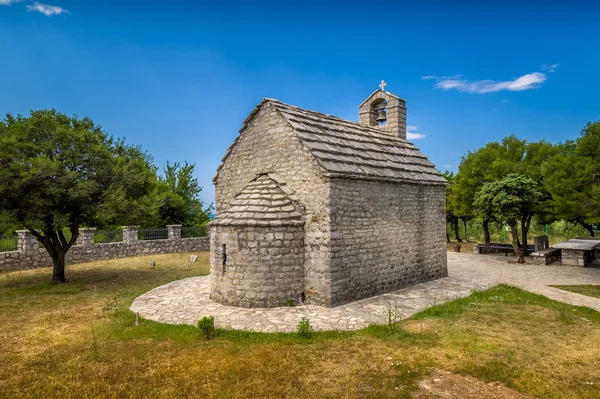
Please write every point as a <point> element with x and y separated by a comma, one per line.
<point>382,103</point>
<point>368,206</point>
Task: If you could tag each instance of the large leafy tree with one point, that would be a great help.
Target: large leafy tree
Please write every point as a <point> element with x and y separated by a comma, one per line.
<point>572,177</point>
<point>179,197</point>
<point>509,200</point>
<point>58,173</point>
<point>493,162</point>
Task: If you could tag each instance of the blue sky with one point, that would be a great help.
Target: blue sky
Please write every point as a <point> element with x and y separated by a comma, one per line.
<point>179,77</point>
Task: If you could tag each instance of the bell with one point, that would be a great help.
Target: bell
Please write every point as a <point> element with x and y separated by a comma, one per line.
<point>381,117</point>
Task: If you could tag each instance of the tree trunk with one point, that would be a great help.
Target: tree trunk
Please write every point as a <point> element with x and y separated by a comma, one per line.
<point>486,230</point>
<point>456,232</point>
<point>58,273</point>
<point>525,223</point>
<point>515,242</point>
<point>448,238</point>
<point>56,244</point>
<point>586,226</point>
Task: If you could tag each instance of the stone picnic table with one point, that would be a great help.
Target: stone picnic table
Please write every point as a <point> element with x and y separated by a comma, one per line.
<point>579,252</point>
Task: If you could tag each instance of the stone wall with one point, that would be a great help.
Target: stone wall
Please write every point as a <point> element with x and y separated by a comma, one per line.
<point>30,256</point>
<point>386,236</point>
<point>268,144</point>
<point>263,266</point>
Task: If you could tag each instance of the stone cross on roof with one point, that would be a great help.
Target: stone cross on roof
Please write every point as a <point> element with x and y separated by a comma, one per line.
<point>382,85</point>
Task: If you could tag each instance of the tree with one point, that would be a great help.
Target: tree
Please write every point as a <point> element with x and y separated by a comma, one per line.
<point>493,162</point>
<point>509,200</point>
<point>475,169</point>
<point>59,172</point>
<point>179,197</point>
<point>572,177</point>
<point>451,217</point>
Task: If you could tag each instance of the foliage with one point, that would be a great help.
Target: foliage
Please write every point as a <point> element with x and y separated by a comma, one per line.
<point>304,329</point>
<point>178,200</point>
<point>59,172</point>
<point>509,200</point>
<point>572,177</point>
<point>493,162</point>
<point>391,315</point>
<point>289,302</point>
<point>451,206</point>
<point>207,327</point>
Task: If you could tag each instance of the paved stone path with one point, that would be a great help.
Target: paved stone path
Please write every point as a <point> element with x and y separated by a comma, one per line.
<point>186,301</point>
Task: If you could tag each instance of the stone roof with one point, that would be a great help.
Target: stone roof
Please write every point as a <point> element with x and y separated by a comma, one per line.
<point>347,149</point>
<point>265,201</point>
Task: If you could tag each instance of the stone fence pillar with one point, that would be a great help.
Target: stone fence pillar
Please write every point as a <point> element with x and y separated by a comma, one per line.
<point>86,236</point>
<point>174,231</point>
<point>26,241</point>
<point>130,234</point>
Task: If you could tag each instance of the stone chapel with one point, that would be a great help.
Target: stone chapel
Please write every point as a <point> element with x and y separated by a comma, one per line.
<point>317,209</point>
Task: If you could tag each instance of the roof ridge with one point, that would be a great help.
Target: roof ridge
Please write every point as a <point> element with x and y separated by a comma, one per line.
<point>357,124</point>
<point>383,91</point>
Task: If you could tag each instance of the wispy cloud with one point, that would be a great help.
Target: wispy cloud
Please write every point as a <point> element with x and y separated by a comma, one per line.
<point>9,2</point>
<point>550,68</point>
<point>447,166</point>
<point>411,133</point>
<point>46,9</point>
<point>526,82</point>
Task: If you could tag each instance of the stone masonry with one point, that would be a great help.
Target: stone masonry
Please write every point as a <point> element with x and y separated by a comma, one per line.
<point>29,255</point>
<point>258,256</point>
<point>371,208</point>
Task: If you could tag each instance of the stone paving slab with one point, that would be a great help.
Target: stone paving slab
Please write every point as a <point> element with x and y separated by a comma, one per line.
<point>187,301</point>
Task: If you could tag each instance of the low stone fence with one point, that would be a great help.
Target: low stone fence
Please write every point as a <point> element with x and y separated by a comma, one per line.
<point>29,255</point>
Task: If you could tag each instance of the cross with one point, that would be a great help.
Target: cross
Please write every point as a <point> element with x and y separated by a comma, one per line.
<point>382,85</point>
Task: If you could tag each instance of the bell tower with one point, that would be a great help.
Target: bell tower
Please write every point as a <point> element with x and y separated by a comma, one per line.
<point>384,111</point>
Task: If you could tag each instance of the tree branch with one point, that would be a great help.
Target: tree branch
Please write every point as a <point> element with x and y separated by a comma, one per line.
<point>37,235</point>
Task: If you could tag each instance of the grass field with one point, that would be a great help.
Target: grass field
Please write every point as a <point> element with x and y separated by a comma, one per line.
<point>589,290</point>
<point>79,340</point>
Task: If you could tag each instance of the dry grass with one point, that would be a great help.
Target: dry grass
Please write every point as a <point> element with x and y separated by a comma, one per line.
<point>589,290</point>
<point>57,341</point>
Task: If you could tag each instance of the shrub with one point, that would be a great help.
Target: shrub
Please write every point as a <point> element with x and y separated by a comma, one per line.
<point>304,329</point>
<point>290,302</point>
<point>207,327</point>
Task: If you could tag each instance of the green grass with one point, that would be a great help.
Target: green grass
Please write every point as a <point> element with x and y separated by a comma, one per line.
<point>509,295</point>
<point>57,341</point>
<point>589,290</point>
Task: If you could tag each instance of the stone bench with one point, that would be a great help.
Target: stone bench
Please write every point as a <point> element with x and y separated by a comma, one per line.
<point>497,248</point>
<point>546,256</point>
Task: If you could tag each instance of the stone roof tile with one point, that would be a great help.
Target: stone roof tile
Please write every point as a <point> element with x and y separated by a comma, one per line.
<point>347,149</point>
<point>272,206</point>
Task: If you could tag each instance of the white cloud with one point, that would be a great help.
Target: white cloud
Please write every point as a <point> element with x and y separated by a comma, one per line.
<point>9,2</point>
<point>46,9</point>
<point>526,82</point>
<point>550,68</point>
<point>412,135</point>
<point>447,166</point>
